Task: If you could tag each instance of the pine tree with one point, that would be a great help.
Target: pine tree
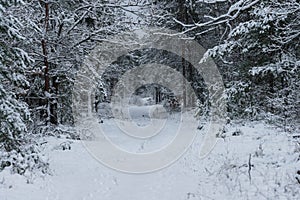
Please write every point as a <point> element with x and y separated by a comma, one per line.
<point>14,61</point>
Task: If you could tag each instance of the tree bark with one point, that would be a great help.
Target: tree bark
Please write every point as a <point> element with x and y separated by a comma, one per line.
<point>51,115</point>
<point>184,19</point>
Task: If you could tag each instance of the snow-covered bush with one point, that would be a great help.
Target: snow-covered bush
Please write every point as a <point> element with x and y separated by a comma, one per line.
<point>25,161</point>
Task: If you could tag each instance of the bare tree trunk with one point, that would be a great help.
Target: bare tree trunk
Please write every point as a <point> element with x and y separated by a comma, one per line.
<point>184,19</point>
<point>53,103</point>
<point>50,113</point>
<point>46,63</point>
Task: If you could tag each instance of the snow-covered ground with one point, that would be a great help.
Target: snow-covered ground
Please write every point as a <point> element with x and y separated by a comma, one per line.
<point>223,174</point>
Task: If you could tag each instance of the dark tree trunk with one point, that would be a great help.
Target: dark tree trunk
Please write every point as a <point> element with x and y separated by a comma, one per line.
<point>51,104</point>
<point>184,19</point>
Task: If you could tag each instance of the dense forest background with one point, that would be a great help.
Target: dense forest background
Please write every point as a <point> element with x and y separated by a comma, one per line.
<point>255,44</point>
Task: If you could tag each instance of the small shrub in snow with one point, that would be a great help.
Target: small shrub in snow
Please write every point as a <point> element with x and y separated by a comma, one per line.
<point>237,132</point>
<point>222,133</point>
<point>25,161</point>
<point>259,152</point>
<point>63,146</point>
<point>57,131</point>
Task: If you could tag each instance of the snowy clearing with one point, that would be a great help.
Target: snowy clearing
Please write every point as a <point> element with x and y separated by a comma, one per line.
<point>224,174</point>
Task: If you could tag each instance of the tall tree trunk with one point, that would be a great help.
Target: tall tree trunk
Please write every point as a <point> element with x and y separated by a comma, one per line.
<point>53,103</point>
<point>183,18</point>
<point>51,113</point>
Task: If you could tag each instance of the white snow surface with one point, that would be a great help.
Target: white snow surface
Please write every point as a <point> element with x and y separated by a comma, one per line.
<point>223,174</point>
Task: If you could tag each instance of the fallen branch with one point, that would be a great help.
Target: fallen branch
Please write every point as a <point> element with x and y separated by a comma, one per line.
<point>250,167</point>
